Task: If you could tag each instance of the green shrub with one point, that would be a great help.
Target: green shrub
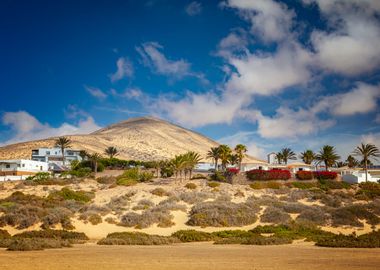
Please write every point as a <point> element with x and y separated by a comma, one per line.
<point>213,184</point>
<point>136,238</point>
<point>4,234</point>
<point>199,176</point>
<point>191,186</point>
<point>55,234</point>
<point>369,190</point>
<point>265,185</point>
<point>133,176</point>
<point>28,244</point>
<point>218,176</point>
<point>109,180</point>
<point>193,236</point>
<point>369,240</point>
<point>326,184</point>
<point>303,185</point>
<point>262,240</point>
<point>68,194</point>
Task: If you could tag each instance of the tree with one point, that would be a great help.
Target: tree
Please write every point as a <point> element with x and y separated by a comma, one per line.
<point>234,159</point>
<point>191,160</point>
<point>63,143</point>
<point>279,157</point>
<point>286,154</point>
<point>352,162</point>
<point>340,164</point>
<point>95,160</point>
<point>178,163</point>
<point>367,151</point>
<point>214,153</point>
<point>307,156</point>
<point>240,151</point>
<point>83,154</point>
<point>111,151</point>
<point>225,153</point>
<point>328,156</point>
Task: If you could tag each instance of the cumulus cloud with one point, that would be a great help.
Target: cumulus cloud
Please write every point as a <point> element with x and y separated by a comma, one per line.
<point>271,21</point>
<point>194,8</point>
<point>361,99</point>
<point>124,69</point>
<point>96,92</point>
<point>352,47</point>
<point>267,74</point>
<point>26,127</point>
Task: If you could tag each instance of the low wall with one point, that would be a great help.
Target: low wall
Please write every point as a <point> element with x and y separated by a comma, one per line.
<point>13,178</point>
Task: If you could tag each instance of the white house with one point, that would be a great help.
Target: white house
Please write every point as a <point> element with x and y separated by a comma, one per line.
<point>356,177</point>
<point>54,155</point>
<point>299,166</point>
<point>16,169</point>
<point>204,166</point>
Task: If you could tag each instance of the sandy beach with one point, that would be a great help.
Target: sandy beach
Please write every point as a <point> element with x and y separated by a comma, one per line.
<point>193,256</point>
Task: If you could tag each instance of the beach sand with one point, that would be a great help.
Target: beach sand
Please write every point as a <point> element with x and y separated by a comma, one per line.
<point>303,256</point>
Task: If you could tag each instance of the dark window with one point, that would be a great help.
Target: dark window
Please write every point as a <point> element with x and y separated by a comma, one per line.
<point>7,166</point>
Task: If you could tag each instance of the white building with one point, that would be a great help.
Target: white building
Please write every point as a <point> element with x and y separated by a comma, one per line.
<point>299,166</point>
<point>54,155</point>
<point>204,167</point>
<point>16,169</point>
<point>272,158</point>
<point>356,177</point>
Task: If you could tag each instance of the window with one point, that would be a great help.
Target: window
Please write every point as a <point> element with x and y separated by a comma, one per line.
<point>7,166</point>
<point>23,165</point>
<point>47,152</point>
<point>300,169</point>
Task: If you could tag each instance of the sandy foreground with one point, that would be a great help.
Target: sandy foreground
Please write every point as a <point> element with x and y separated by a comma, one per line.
<point>193,256</point>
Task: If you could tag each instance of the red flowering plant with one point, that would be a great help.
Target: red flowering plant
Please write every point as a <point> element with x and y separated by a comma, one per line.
<point>268,175</point>
<point>324,175</point>
<point>233,170</point>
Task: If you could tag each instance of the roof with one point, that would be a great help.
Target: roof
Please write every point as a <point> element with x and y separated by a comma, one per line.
<point>298,164</point>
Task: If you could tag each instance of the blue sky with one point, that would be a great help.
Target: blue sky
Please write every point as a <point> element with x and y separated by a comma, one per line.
<point>266,73</point>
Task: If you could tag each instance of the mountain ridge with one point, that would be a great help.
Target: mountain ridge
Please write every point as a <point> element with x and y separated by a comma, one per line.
<point>142,138</point>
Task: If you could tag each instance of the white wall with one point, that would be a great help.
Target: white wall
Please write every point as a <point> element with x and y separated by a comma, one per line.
<point>24,165</point>
<point>358,177</point>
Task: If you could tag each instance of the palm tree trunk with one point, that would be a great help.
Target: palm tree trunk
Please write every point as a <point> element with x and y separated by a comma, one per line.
<point>216,165</point>
<point>326,166</point>
<point>63,155</point>
<point>366,170</point>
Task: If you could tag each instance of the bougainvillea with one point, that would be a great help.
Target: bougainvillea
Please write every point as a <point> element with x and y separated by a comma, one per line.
<point>233,170</point>
<point>268,175</point>
<point>323,175</point>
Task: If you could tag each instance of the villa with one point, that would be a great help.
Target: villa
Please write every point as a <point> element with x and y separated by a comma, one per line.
<point>54,155</point>
<point>16,169</point>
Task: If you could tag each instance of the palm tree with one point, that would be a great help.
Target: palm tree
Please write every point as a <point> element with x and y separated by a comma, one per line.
<point>63,143</point>
<point>234,159</point>
<point>367,151</point>
<point>328,155</point>
<point>307,156</point>
<point>352,162</point>
<point>279,157</point>
<point>286,154</point>
<point>240,150</point>
<point>340,164</point>
<point>84,154</point>
<point>111,151</point>
<point>225,153</point>
<point>95,160</point>
<point>214,153</point>
<point>191,159</point>
<point>178,163</point>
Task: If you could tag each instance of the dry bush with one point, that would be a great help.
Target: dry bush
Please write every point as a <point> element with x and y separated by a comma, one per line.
<point>222,214</point>
<point>108,180</point>
<point>193,236</point>
<point>275,215</point>
<point>137,238</point>
<point>143,205</point>
<point>315,215</point>
<point>111,220</point>
<point>350,215</point>
<point>294,207</point>
<point>297,194</point>
<point>266,185</point>
<point>160,192</point>
<point>195,197</point>
<point>58,215</point>
<point>28,244</point>
<point>191,186</point>
<point>239,194</point>
<point>121,203</point>
<point>213,184</point>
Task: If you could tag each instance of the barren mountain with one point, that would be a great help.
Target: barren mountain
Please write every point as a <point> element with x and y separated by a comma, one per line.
<point>143,138</point>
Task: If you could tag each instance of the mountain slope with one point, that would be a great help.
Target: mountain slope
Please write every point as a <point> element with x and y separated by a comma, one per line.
<point>143,138</point>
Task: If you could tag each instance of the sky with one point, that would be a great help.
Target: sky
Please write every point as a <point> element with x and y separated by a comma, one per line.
<point>265,73</point>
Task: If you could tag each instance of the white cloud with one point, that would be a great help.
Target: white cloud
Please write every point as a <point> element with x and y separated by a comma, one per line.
<point>129,93</point>
<point>373,138</point>
<point>194,8</point>
<point>352,47</point>
<point>154,58</point>
<point>124,69</point>
<point>26,127</point>
<point>96,92</point>
<point>361,99</point>
<point>271,20</point>
<point>288,123</point>
<point>267,74</point>
<point>377,119</point>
